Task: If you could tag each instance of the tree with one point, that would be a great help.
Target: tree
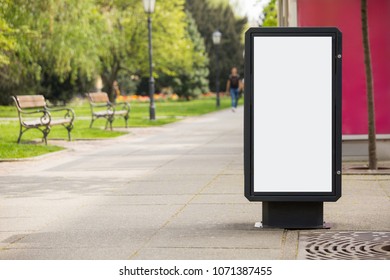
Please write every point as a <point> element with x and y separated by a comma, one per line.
<point>192,83</point>
<point>269,16</point>
<point>216,3</point>
<point>58,47</point>
<point>372,159</point>
<point>7,41</point>
<point>55,45</point>
<point>71,48</point>
<point>16,67</point>
<point>126,37</point>
<point>211,17</point>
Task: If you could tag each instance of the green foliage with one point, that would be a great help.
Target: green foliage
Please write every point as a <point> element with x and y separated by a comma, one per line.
<point>70,57</point>
<point>270,14</point>
<point>210,17</point>
<point>70,45</point>
<point>15,51</point>
<point>127,38</point>
<point>216,3</point>
<point>58,47</point>
<point>14,151</point>
<point>191,84</point>
<point>7,40</point>
<point>54,44</point>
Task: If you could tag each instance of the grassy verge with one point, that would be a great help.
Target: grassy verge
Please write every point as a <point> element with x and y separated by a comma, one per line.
<point>14,151</point>
<point>166,112</point>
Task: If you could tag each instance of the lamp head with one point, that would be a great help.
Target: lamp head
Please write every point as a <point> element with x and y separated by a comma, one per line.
<point>217,37</point>
<point>149,6</point>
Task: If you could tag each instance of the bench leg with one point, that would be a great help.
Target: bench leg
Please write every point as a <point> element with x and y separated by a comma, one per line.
<point>90,126</point>
<point>126,120</point>
<point>20,134</point>
<point>45,132</point>
<point>69,129</point>
<point>110,120</point>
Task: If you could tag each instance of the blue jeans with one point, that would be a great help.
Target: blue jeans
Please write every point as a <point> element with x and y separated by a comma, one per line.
<point>234,96</point>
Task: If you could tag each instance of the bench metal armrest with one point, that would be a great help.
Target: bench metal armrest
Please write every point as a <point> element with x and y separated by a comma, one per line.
<point>111,107</point>
<point>107,105</point>
<point>69,113</point>
<point>44,119</point>
<point>125,105</point>
<point>31,112</point>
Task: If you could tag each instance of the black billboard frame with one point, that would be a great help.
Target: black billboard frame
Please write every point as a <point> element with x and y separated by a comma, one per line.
<point>310,200</point>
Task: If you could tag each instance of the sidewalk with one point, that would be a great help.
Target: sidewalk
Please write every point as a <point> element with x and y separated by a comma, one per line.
<point>173,192</point>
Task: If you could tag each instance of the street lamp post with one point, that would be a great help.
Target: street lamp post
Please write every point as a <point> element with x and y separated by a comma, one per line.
<point>149,9</point>
<point>216,41</point>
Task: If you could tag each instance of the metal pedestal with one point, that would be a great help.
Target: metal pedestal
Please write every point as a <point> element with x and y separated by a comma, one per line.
<point>293,215</point>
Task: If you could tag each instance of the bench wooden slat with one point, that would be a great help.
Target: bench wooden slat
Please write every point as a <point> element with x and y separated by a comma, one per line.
<point>33,123</point>
<point>98,97</point>
<point>121,112</point>
<point>31,101</point>
<point>59,121</point>
<point>103,113</point>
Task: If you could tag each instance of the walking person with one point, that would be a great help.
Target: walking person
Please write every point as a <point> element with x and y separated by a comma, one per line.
<point>233,86</point>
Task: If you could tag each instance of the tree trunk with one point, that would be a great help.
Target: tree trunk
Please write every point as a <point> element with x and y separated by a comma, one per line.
<point>369,89</point>
<point>109,76</point>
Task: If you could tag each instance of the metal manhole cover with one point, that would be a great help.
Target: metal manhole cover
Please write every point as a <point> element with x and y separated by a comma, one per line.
<point>344,246</point>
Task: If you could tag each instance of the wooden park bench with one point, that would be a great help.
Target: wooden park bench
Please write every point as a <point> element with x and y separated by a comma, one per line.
<point>107,110</point>
<point>34,113</point>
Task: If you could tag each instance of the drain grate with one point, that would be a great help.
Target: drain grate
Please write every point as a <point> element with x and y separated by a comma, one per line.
<point>344,245</point>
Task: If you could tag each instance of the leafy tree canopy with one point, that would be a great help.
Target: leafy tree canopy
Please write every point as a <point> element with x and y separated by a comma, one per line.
<point>270,15</point>
<point>211,17</point>
<point>127,44</point>
<point>58,47</point>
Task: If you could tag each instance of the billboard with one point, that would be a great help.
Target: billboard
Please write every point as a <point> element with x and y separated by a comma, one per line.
<point>292,114</point>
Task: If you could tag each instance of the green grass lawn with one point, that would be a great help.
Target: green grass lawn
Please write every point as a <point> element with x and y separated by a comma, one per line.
<point>166,112</point>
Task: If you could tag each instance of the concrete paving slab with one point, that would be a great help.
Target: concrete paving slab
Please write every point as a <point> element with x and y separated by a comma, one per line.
<point>56,187</point>
<point>217,198</point>
<point>219,216</point>
<point>113,253</point>
<point>97,217</point>
<point>122,199</point>
<point>207,253</point>
<point>226,184</point>
<point>187,179</point>
<point>172,187</point>
<point>204,170</point>
<point>22,224</point>
<point>385,185</point>
<point>363,206</point>
<point>241,236</point>
<point>105,238</point>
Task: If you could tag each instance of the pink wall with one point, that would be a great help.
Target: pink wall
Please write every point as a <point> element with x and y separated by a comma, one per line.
<point>345,14</point>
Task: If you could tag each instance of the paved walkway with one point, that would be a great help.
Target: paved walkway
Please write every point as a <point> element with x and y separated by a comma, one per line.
<point>173,192</point>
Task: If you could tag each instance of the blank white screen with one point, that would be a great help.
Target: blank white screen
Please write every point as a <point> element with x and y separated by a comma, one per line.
<point>292,114</point>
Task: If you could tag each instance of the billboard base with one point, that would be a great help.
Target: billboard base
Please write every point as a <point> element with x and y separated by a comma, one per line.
<point>293,215</point>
